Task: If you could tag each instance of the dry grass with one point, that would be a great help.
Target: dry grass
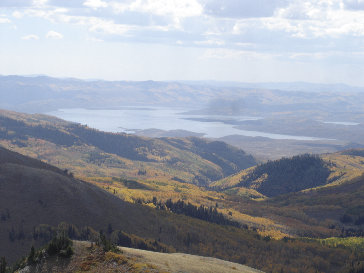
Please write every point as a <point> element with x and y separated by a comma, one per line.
<point>180,262</point>
<point>93,259</point>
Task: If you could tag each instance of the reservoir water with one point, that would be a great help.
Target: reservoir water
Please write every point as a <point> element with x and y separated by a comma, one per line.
<point>130,119</point>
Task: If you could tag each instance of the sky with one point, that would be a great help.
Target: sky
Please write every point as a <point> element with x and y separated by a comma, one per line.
<point>224,40</point>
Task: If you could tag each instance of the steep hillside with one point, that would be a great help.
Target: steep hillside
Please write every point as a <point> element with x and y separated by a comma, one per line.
<point>91,152</point>
<point>281,176</point>
<point>34,193</point>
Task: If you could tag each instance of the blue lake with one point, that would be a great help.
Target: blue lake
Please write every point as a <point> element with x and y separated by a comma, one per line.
<point>131,119</point>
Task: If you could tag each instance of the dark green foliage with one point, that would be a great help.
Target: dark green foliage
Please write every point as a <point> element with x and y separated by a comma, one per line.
<point>45,233</point>
<point>357,267</point>
<point>4,215</point>
<point>16,233</point>
<point>359,221</point>
<point>122,239</point>
<point>106,243</point>
<point>109,229</point>
<point>2,265</point>
<point>355,152</point>
<point>209,214</point>
<point>31,256</point>
<point>128,240</point>
<point>132,184</point>
<point>21,130</point>
<point>97,158</point>
<point>61,245</point>
<point>120,144</point>
<point>217,152</point>
<point>287,175</point>
<point>346,219</point>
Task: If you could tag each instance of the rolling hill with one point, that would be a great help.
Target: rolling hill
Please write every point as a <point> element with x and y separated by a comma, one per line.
<point>308,195</point>
<point>90,152</point>
<point>37,196</point>
<point>297,173</point>
<point>282,176</point>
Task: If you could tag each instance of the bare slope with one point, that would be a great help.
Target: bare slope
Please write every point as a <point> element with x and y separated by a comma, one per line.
<point>133,260</point>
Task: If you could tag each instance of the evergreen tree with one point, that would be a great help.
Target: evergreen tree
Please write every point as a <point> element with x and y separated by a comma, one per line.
<point>2,265</point>
<point>31,256</point>
<point>109,229</point>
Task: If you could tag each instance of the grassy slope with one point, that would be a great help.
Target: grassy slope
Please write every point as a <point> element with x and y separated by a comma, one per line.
<point>93,259</point>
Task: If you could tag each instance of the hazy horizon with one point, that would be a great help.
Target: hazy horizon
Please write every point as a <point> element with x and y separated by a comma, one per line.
<point>198,82</point>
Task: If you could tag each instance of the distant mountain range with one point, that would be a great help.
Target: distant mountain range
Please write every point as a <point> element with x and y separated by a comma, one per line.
<point>284,86</point>
<point>42,94</point>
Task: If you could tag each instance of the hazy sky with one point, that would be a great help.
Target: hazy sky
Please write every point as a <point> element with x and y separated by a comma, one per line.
<point>239,40</point>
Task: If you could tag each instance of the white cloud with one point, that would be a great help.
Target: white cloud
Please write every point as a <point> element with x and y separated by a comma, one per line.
<point>30,37</point>
<point>212,23</point>
<point>98,25</point>
<point>51,14</point>
<point>211,42</point>
<point>315,19</point>
<point>39,3</point>
<point>177,10</point>
<point>54,35</point>
<point>16,14</point>
<point>224,53</point>
<point>15,3</point>
<point>93,39</point>
<point>242,8</point>
<point>354,4</point>
<point>4,20</point>
<point>95,4</point>
<point>107,26</point>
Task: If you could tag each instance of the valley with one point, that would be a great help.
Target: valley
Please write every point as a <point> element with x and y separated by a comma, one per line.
<point>144,174</point>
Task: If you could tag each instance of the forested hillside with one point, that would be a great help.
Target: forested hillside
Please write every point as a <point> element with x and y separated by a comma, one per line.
<point>192,160</point>
<point>34,195</point>
<point>287,175</point>
<point>281,176</point>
